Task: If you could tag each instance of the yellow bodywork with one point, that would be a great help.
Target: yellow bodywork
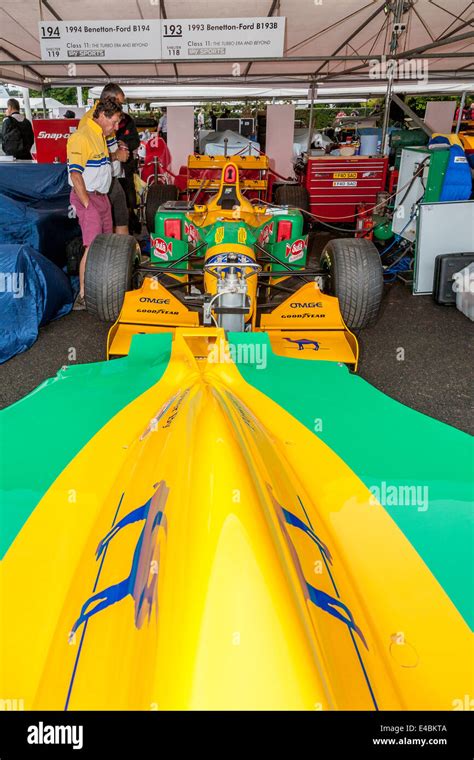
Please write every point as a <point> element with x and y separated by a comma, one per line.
<point>205,163</point>
<point>464,139</point>
<point>467,140</point>
<point>218,612</point>
<point>154,309</point>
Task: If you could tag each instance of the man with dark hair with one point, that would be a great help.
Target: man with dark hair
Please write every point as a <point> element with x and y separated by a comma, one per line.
<point>90,175</point>
<point>127,134</point>
<point>112,90</point>
<point>17,133</point>
<point>118,152</point>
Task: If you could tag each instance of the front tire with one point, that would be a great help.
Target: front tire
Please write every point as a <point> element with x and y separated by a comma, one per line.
<point>356,278</point>
<point>110,266</point>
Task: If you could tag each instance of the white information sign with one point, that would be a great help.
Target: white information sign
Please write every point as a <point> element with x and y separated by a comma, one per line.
<point>100,40</point>
<point>168,39</point>
<point>204,39</point>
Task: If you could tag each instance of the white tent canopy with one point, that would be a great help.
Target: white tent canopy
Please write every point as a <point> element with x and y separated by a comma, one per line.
<point>327,42</point>
<point>184,94</point>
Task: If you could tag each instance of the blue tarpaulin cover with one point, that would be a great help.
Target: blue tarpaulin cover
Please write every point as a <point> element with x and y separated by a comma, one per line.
<point>35,208</point>
<point>33,291</point>
<point>457,185</point>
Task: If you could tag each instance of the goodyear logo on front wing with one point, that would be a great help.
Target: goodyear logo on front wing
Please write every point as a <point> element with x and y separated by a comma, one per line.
<point>219,235</point>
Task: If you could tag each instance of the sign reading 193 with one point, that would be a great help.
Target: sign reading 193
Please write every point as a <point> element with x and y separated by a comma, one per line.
<point>172,30</point>
<point>176,30</point>
<point>237,38</point>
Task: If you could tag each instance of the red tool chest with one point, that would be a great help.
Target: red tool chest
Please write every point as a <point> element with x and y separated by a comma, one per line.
<point>337,185</point>
<point>51,138</point>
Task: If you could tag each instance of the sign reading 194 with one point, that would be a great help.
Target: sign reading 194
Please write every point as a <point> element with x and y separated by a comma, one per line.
<point>50,32</point>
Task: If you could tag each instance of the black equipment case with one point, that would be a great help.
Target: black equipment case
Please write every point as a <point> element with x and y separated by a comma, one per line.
<point>446,266</point>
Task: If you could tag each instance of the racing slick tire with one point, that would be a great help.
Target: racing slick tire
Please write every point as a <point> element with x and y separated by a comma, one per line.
<point>110,266</point>
<point>292,195</point>
<point>356,278</point>
<point>296,196</point>
<point>157,194</point>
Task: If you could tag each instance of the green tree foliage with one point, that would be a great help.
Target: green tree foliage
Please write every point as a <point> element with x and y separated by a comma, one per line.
<point>66,95</point>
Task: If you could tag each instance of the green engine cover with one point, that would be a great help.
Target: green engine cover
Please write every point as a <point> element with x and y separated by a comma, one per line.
<point>175,232</point>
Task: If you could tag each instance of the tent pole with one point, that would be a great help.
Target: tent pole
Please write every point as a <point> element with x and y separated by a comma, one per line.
<point>461,107</point>
<point>79,97</point>
<point>26,102</point>
<point>44,101</point>
<point>311,109</point>
<point>386,114</point>
<point>397,17</point>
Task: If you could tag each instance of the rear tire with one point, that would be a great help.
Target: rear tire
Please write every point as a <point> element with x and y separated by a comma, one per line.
<point>292,195</point>
<point>356,278</point>
<point>110,265</point>
<point>156,195</point>
<point>296,196</point>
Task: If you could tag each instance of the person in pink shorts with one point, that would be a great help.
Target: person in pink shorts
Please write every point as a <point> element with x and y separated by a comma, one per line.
<point>90,176</point>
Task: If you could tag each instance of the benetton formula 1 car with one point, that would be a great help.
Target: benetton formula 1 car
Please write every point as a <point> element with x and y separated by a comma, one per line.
<point>240,266</point>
